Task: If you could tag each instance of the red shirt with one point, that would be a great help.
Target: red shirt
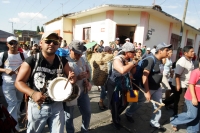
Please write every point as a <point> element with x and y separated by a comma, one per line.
<point>195,80</point>
<point>20,50</point>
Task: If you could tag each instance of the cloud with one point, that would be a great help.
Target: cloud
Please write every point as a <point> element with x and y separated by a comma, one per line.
<point>6,1</point>
<point>30,15</point>
<point>15,20</point>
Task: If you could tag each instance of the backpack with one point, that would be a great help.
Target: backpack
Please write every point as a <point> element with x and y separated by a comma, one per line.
<point>139,70</point>
<point>5,56</point>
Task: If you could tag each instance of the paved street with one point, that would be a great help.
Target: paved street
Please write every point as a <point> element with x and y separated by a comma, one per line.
<point>101,120</point>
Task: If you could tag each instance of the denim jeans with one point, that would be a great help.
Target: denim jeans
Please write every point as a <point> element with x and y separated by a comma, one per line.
<point>191,117</point>
<point>51,114</point>
<point>103,93</point>
<point>85,110</point>
<point>13,98</point>
<point>134,106</point>
<point>156,95</point>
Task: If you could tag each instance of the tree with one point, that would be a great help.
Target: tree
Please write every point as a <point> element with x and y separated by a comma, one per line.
<point>42,29</point>
<point>38,29</point>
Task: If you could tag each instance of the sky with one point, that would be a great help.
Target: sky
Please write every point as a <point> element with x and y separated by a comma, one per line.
<point>28,14</point>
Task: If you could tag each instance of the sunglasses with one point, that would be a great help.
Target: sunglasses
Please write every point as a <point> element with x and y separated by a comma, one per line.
<point>49,41</point>
<point>13,43</point>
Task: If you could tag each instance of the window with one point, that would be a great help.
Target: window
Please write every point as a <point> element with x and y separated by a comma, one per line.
<point>189,42</point>
<point>174,41</point>
<point>86,33</point>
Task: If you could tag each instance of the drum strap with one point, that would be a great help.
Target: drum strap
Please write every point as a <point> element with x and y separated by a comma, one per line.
<point>60,65</point>
<point>36,57</point>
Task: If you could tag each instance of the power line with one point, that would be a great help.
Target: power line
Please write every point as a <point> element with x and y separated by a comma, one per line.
<point>76,5</point>
<point>54,11</point>
<point>162,2</point>
<point>17,6</point>
<point>196,9</point>
<point>36,14</point>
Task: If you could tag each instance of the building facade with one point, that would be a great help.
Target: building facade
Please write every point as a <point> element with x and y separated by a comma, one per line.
<point>142,24</point>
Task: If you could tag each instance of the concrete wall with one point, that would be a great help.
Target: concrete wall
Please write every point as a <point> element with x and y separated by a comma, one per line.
<point>56,25</point>
<point>160,34</point>
<point>98,27</point>
<point>67,30</point>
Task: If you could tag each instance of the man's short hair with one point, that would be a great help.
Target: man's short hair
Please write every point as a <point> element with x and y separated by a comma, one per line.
<point>187,49</point>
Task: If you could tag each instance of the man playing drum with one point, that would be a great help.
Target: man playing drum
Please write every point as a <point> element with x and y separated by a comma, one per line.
<point>39,72</point>
<point>81,70</point>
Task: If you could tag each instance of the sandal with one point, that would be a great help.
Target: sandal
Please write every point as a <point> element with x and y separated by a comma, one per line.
<point>174,128</point>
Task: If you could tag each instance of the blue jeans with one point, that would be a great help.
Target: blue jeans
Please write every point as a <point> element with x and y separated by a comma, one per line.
<point>191,117</point>
<point>156,95</point>
<point>13,98</point>
<point>51,114</point>
<point>85,110</point>
<point>103,93</point>
<point>134,106</point>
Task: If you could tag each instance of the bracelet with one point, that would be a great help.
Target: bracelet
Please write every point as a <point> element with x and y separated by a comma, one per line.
<point>32,94</point>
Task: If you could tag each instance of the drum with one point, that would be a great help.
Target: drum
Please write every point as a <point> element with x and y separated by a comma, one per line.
<point>58,92</point>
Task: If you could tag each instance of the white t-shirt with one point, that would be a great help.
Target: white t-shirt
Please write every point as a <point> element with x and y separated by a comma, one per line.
<point>12,62</point>
<point>183,68</point>
<point>153,51</point>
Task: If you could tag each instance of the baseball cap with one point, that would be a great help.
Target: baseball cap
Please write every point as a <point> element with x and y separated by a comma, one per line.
<point>128,47</point>
<point>148,48</point>
<point>107,49</point>
<point>77,46</point>
<point>48,33</point>
<point>117,39</point>
<point>162,45</point>
<point>127,39</point>
<point>11,38</point>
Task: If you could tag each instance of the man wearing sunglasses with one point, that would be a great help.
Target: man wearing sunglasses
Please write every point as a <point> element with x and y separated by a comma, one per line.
<point>10,61</point>
<point>42,109</point>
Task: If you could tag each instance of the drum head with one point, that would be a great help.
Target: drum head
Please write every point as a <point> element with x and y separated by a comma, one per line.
<point>57,91</point>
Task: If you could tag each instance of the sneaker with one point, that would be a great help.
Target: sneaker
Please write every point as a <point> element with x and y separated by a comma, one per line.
<point>160,128</point>
<point>130,119</point>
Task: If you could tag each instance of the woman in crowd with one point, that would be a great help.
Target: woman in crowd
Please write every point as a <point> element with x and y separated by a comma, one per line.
<point>138,54</point>
<point>192,100</point>
<point>119,82</point>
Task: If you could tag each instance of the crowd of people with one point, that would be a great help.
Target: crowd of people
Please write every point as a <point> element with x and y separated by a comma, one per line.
<point>28,73</point>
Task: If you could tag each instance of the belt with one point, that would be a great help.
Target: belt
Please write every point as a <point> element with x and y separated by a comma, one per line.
<point>47,101</point>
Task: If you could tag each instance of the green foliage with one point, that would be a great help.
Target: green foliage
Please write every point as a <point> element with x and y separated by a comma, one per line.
<point>42,29</point>
<point>38,29</point>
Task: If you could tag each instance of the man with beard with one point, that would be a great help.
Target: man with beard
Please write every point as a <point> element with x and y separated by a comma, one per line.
<point>40,70</point>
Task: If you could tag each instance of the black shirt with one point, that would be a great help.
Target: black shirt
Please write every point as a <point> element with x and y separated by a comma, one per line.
<point>44,72</point>
<point>155,76</point>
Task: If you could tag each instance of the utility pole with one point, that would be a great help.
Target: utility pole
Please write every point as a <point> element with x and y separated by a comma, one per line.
<point>154,2</point>
<point>181,31</point>
<point>12,27</point>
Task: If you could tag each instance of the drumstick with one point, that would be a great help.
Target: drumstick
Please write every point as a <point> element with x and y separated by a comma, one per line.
<point>66,83</point>
<point>160,104</point>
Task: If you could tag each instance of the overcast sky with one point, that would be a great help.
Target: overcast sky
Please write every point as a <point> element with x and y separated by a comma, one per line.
<point>28,14</point>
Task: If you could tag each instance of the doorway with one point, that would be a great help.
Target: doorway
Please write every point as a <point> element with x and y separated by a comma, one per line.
<point>125,31</point>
